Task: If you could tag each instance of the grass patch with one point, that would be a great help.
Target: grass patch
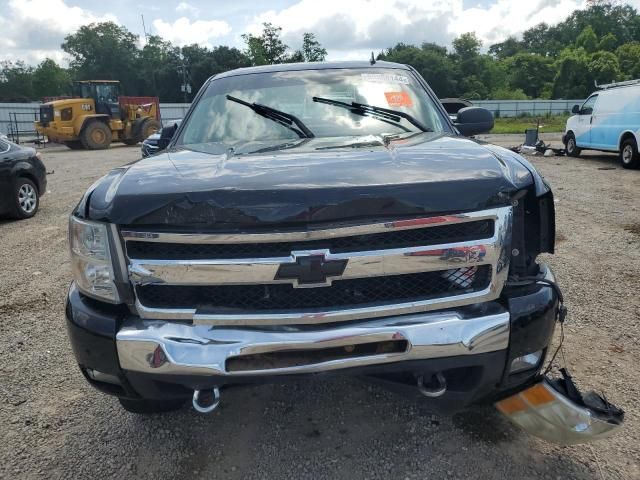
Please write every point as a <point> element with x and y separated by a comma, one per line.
<point>552,124</point>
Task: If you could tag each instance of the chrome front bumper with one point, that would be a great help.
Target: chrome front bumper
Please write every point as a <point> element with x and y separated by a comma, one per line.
<point>169,348</point>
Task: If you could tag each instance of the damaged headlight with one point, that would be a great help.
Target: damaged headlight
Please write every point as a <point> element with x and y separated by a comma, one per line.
<point>91,259</point>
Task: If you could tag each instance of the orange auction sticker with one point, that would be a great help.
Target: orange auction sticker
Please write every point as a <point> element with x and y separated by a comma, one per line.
<point>398,99</point>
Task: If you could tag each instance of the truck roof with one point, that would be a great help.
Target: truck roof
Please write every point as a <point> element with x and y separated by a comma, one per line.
<point>96,81</point>
<point>289,67</point>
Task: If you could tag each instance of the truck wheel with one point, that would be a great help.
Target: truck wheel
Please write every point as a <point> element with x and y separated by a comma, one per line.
<point>96,136</point>
<point>131,141</point>
<point>571,146</point>
<point>150,127</point>
<point>629,154</point>
<point>74,145</point>
<point>150,406</point>
<point>26,198</point>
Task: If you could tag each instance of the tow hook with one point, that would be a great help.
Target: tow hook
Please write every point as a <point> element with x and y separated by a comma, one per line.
<point>436,387</point>
<point>203,405</point>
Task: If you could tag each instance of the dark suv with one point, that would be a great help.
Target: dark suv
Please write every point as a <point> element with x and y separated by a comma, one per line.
<point>23,180</point>
<point>314,219</point>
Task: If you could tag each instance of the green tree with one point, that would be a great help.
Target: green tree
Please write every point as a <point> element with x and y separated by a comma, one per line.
<point>477,74</point>
<point>629,60</point>
<point>16,81</point>
<point>473,88</point>
<point>267,48</point>
<point>50,80</point>
<point>530,73</point>
<point>587,40</point>
<point>572,79</point>
<point>158,69</point>
<point>510,47</point>
<point>509,94</point>
<point>542,40</point>
<point>608,43</point>
<point>604,67</point>
<point>203,63</point>
<point>466,55</point>
<point>467,46</point>
<point>104,51</point>
<point>431,61</point>
<point>312,51</point>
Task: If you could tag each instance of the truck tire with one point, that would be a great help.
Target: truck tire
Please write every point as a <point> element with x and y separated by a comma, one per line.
<point>150,406</point>
<point>26,198</point>
<point>149,127</point>
<point>629,154</point>
<point>74,145</point>
<point>96,136</point>
<point>571,147</point>
<point>131,141</point>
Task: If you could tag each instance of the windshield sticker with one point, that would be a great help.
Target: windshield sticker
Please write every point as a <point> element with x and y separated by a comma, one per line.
<point>398,99</point>
<point>385,78</point>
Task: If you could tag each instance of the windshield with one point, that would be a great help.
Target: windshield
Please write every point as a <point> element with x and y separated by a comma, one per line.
<point>101,92</point>
<point>216,120</point>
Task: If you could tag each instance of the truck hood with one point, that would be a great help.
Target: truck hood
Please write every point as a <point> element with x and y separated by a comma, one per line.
<point>311,181</point>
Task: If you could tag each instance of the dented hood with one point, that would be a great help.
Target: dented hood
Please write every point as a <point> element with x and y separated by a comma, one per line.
<point>308,181</point>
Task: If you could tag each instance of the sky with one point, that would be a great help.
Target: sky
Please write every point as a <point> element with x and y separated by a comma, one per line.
<point>31,30</point>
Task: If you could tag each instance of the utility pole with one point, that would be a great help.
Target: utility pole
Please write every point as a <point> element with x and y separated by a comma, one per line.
<point>185,87</point>
<point>144,29</point>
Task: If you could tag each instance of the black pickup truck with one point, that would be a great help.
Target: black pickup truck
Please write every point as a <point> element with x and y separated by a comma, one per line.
<point>315,219</point>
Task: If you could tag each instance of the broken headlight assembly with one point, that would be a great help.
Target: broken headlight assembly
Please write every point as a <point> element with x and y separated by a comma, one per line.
<point>91,259</point>
<point>556,411</point>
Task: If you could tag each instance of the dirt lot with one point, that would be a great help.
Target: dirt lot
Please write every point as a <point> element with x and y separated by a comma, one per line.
<point>55,426</point>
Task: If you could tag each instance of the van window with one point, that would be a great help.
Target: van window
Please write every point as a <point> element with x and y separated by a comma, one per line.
<point>587,106</point>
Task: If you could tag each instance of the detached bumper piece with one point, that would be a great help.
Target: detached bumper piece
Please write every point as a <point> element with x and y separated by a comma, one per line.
<point>556,411</point>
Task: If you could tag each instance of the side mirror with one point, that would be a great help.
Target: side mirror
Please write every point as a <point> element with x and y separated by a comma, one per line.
<point>474,120</point>
<point>166,134</point>
<point>576,109</point>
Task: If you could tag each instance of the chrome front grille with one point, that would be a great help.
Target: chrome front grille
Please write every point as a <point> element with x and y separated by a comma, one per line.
<point>316,276</point>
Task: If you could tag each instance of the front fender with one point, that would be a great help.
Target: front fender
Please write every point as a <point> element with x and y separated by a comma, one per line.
<point>83,121</point>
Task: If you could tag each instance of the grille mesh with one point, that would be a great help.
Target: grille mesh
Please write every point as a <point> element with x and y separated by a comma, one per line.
<point>342,293</point>
<point>459,232</point>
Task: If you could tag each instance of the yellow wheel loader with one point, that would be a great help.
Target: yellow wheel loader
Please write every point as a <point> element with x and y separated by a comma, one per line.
<point>97,115</point>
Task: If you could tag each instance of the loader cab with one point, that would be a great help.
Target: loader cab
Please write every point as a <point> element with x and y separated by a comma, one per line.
<point>105,94</point>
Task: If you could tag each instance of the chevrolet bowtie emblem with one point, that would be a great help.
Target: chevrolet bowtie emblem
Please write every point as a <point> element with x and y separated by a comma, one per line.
<point>311,269</point>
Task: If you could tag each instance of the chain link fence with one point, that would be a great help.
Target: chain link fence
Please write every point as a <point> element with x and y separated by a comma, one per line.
<point>531,108</point>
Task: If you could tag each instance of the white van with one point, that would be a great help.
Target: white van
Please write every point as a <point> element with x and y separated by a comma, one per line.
<point>609,120</point>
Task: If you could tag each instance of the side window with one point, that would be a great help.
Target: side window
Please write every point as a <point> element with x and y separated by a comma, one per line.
<point>4,147</point>
<point>587,106</point>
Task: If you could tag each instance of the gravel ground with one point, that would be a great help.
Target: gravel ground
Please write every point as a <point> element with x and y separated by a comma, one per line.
<point>55,426</point>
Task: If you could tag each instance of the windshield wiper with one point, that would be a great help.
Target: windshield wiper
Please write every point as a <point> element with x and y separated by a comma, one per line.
<point>384,114</point>
<point>283,118</point>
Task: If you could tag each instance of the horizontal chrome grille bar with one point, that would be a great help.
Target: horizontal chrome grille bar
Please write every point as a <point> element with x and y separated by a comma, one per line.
<point>360,265</point>
<point>308,235</point>
<point>158,347</point>
<point>317,316</point>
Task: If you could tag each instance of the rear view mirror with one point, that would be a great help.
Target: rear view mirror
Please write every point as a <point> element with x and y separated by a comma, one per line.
<point>167,133</point>
<point>575,109</point>
<point>474,120</point>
